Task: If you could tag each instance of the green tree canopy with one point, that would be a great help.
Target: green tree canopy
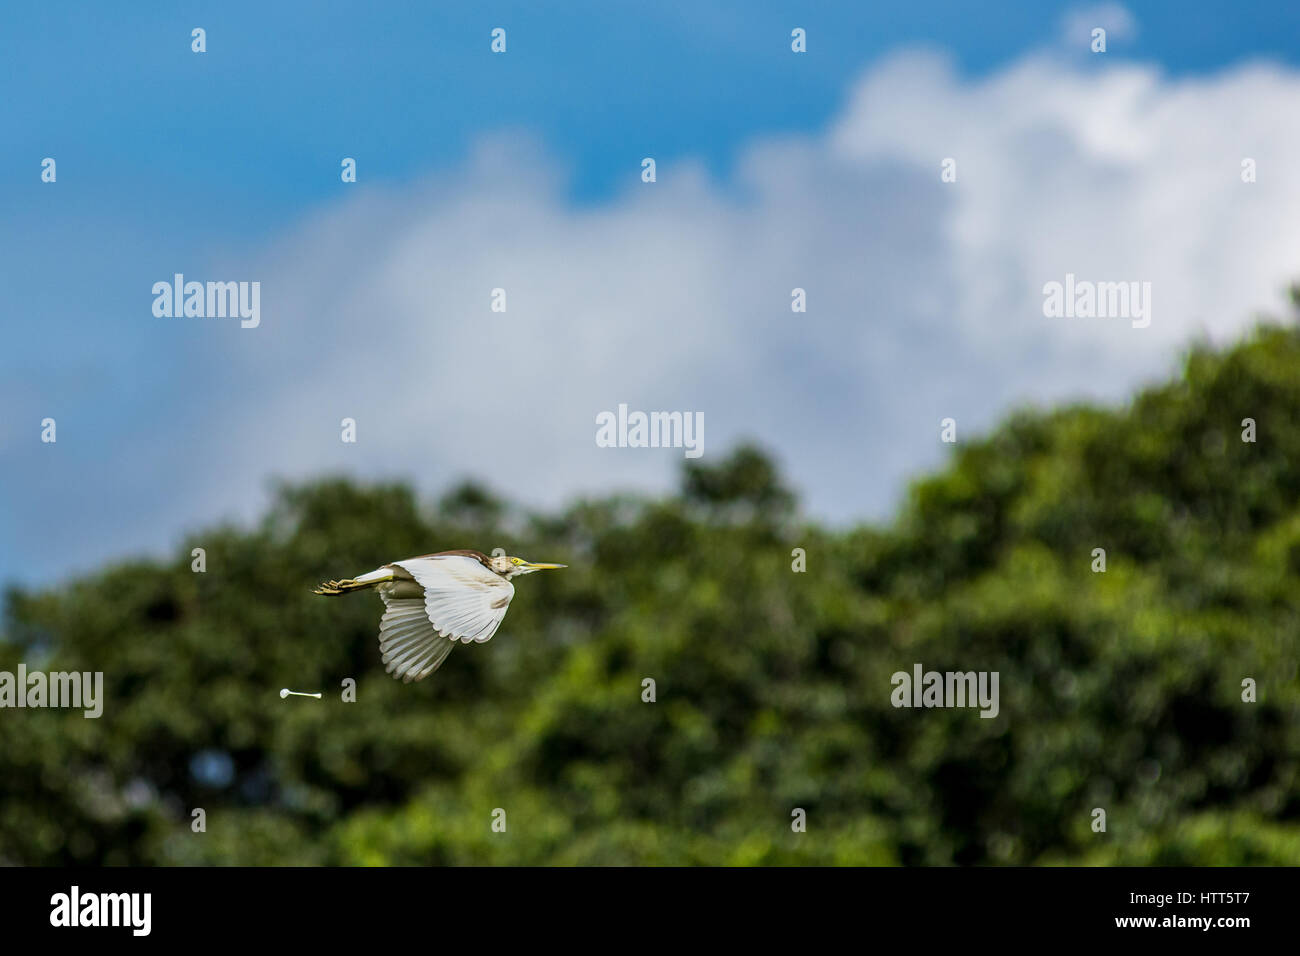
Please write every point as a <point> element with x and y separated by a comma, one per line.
<point>1120,690</point>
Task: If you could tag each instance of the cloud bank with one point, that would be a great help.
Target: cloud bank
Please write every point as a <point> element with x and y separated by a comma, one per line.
<point>924,298</point>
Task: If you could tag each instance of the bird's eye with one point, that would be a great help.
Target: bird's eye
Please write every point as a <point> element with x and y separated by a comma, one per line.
<point>516,561</point>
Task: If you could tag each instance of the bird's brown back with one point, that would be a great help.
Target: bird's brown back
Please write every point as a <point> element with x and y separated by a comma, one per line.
<point>478,556</point>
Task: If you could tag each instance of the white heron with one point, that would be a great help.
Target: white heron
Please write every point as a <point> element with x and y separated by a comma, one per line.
<point>435,600</point>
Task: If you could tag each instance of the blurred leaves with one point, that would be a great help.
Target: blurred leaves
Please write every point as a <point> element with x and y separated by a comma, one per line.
<point>1119,690</point>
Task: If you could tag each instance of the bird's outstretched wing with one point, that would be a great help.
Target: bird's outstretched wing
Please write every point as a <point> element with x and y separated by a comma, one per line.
<point>410,647</point>
<point>463,600</point>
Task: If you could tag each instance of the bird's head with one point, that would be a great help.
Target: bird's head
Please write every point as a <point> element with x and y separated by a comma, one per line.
<point>511,567</point>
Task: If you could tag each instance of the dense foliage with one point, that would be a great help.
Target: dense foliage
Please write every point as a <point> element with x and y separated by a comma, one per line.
<point>1120,690</point>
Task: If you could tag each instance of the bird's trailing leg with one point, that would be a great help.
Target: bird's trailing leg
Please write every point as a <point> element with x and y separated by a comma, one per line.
<point>338,587</point>
<point>358,584</point>
<point>341,587</point>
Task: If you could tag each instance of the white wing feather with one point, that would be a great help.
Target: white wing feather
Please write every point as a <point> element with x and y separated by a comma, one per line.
<point>411,648</point>
<point>462,599</point>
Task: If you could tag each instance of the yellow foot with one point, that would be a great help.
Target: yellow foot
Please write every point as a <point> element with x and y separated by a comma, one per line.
<point>337,587</point>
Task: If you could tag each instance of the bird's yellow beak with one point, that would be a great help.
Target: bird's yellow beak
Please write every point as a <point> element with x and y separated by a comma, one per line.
<point>537,566</point>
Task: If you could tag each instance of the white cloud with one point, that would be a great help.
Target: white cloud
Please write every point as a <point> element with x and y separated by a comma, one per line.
<point>924,298</point>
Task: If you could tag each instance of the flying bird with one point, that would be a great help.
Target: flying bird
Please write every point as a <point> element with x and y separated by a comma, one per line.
<point>435,600</point>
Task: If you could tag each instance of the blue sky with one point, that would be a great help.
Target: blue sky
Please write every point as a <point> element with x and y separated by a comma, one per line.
<point>225,165</point>
<point>285,88</point>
